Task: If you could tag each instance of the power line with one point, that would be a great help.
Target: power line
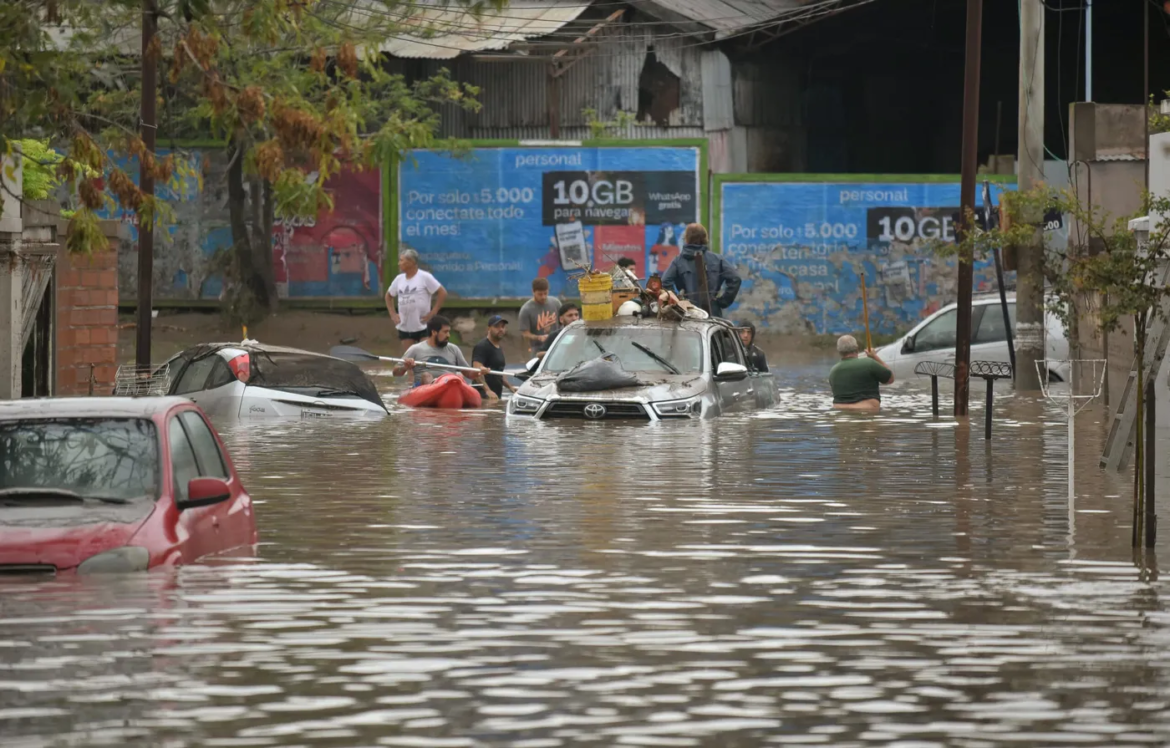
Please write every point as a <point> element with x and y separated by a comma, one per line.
<point>806,13</point>
<point>480,29</point>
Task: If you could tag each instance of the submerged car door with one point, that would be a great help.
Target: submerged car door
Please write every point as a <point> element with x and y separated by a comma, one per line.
<point>761,384</point>
<point>195,454</point>
<point>989,340</point>
<point>209,383</point>
<point>733,394</point>
<point>933,342</point>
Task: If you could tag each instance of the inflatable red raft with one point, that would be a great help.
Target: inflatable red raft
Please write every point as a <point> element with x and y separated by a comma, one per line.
<point>448,391</point>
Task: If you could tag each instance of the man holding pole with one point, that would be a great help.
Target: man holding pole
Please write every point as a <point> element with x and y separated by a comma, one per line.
<point>487,355</point>
<point>855,381</point>
<point>435,349</point>
<point>706,279</point>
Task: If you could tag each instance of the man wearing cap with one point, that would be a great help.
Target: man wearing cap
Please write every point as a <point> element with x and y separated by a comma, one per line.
<point>855,380</point>
<point>487,356</point>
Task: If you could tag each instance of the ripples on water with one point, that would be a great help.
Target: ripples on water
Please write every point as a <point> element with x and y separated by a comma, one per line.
<point>796,577</point>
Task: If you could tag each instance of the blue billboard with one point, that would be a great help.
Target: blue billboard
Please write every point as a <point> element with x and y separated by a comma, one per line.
<point>488,222</point>
<point>801,247</point>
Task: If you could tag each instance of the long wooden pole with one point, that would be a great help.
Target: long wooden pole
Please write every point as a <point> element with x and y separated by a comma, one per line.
<point>148,120</point>
<point>865,309</point>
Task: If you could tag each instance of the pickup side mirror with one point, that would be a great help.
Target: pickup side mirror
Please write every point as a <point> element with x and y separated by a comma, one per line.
<point>204,492</point>
<point>908,345</point>
<point>729,372</point>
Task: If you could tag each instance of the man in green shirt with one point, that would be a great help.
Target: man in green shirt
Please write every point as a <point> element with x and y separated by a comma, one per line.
<point>855,380</point>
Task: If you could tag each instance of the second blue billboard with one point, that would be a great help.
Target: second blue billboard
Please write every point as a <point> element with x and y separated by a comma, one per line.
<point>488,222</point>
<point>802,246</point>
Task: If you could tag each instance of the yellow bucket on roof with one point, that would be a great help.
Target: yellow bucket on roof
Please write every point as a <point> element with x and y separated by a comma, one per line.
<point>596,296</point>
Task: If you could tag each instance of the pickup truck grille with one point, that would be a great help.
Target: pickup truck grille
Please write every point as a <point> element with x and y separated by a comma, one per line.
<point>613,411</point>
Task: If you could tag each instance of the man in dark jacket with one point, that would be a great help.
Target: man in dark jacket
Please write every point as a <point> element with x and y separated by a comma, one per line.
<point>756,360</point>
<point>683,276</point>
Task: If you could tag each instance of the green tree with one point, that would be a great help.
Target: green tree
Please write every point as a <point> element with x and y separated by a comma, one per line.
<point>1106,273</point>
<point>617,129</point>
<point>298,90</point>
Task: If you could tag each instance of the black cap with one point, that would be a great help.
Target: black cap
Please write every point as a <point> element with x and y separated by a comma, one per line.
<point>495,320</point>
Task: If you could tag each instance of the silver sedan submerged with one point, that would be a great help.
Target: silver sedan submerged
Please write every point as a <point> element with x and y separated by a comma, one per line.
<point>251,380</point>
<point>688,369</point>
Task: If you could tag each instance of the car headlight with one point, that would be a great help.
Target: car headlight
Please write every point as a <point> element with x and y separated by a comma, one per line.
<point>528,405</point>
<point>692,406</point>
<point>128,558</point>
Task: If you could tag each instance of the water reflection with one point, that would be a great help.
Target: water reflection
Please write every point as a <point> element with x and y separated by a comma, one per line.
<point>799,576</point>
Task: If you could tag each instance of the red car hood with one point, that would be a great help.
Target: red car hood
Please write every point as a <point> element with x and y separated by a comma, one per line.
<point>64,536</point>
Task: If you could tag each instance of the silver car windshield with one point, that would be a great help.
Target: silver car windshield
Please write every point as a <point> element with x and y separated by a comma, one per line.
<point>109,458</point>
<point>633,346</point>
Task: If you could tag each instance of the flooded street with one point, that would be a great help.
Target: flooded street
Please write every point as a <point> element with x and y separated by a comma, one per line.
<point>796,577</point>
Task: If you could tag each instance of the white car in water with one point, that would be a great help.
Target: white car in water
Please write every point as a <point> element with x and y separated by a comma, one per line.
<point>933,339</point>
<point>253,380</point>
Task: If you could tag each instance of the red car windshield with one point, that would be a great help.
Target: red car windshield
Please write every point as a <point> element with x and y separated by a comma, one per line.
<point>110,458</point>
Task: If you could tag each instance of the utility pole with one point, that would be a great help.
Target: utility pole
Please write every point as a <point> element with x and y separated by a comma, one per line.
<point>1089,50</point>
<point>1030,266</point>
<point>1145,88</point>
<point>149,126</point>
<point>967,200</point>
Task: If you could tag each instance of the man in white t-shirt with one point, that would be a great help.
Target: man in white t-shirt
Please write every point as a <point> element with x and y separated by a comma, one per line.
<point>413,288</point>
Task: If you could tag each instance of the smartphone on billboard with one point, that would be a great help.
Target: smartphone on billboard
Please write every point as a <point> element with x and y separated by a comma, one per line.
<point>574,250</point>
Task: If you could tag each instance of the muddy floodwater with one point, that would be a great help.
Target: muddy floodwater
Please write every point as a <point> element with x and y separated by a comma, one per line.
<point>794,577</point>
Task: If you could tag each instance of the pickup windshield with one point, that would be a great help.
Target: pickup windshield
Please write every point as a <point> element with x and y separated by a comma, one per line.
<point>638,348</point>
<point>99,458</point>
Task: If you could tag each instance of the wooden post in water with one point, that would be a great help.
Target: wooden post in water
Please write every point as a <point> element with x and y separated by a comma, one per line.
<point>970,165</point>
<point>1138,454</point>
<point>1151,520</point>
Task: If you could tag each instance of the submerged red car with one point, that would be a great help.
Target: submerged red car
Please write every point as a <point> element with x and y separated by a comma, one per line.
<point>115,485</point>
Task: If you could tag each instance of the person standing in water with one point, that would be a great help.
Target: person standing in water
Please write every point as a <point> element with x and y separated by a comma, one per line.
<point>487,355</point>
<point>436,348</point>
<point>856,381</point>
<point>756,359</point>
<point>538,315</point>
<point>707,280</point>
<point>413,289</point>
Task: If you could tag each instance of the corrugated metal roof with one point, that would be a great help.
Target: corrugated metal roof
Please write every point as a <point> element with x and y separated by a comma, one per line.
<point>726,17</point>
<point>439,33</point>
<point>430,29</point>
<point>730,15</point>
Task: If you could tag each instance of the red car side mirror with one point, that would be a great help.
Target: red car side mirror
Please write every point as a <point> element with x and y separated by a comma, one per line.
<point>204,492</point>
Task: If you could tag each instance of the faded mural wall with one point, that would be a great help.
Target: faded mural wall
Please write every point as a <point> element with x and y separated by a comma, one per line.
<point>338,254</point>
<point>801,247</point>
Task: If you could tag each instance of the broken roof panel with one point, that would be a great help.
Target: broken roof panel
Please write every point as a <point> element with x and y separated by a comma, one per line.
<point>442,33</point>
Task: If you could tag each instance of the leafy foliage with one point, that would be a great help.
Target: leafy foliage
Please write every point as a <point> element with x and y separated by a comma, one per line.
<point>298,89</point>
<point>1104,268</point>
<point>616,128</point>
<point>40,172</point>
<point>1158,122</point>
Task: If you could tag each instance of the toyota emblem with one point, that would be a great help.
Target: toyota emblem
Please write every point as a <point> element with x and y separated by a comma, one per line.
<point>594,411</point>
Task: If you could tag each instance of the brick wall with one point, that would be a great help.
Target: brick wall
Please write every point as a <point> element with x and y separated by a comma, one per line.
<point>87,322</point>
